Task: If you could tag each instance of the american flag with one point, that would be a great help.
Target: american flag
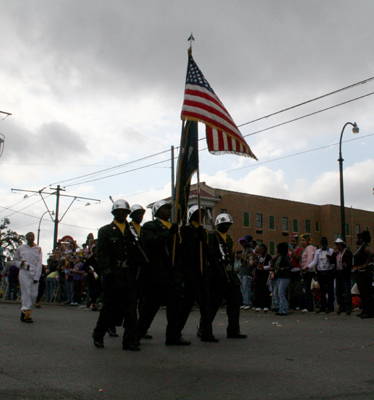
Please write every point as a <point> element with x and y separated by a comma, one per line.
<point>202,104</point>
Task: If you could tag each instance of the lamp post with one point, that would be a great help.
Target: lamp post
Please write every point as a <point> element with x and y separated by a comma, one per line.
<point>52,213</point>
<point>342,210</point>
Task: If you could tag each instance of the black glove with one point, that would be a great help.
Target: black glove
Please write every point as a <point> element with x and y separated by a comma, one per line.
<point>173,229</point>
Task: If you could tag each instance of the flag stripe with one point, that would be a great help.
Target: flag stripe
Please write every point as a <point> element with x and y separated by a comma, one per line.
<point>219,143</point>
<point>212,123</point>
<point>203,97</point>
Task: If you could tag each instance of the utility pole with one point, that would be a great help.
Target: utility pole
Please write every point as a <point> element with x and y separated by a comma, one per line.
<point>58,194</point>
<point>55,235</point>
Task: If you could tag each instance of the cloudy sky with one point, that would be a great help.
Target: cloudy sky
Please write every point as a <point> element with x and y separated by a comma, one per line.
<point>96,85</point>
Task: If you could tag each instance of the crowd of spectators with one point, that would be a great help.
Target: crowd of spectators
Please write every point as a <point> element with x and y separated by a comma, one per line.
<point>306,278</point>
<point>300,277</point>
<point>69,276</point>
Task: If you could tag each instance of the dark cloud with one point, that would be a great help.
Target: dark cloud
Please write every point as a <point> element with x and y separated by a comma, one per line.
<point>244,48</point>
<point>53,142</point>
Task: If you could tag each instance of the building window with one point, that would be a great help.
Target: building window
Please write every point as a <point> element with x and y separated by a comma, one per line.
<point>347,229</point>
<point>317,226</point>
<point>246,219</point>
<point>272,222</point>
<point>259,221</point>
<point>272,249</point>
<point>358,229</point>
<point>307,226</point>
<point>295,225</point>
<point>285,224</point>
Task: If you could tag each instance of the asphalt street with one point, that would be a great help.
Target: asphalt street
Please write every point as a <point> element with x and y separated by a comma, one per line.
<point>302,356</point>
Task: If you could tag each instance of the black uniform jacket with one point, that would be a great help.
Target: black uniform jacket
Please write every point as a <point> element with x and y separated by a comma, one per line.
<point>115,255</point>
<point>219,263</point>
<point>157,243</point>
<point>190,252</point>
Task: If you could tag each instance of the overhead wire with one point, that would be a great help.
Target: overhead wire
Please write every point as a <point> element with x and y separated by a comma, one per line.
<point>119,173</point>
<point>210,176</point>
<point>292,155</point>
<point>18,202</point>
<point>111,168</point>
<point>309,101</point>
<point>14,212</point>
<point>246,123</point>
<point>249,134</point>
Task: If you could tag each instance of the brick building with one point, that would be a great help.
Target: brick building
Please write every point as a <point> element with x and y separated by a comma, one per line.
<point>271,220</point>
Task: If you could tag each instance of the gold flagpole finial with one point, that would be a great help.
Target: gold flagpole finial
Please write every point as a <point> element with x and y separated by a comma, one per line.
<point>190,39</point>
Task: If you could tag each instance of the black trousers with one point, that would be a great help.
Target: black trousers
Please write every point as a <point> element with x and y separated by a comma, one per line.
<point>233,296</point>
<point>326,284</point>
<point>41,289</point>
<point>364,283</point>
<point>94,290</point>
<point>119,306</point>
<point>197,291</point>
<point>261,292</point>
<point>295,290</point>
<point>307,301</point>
<point>343,290</point>
<point>156,295</point>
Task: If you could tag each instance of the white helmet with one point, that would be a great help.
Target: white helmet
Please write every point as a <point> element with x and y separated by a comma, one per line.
<point>192,210</point>
<point>136,207</point>
<point>121,205</point>
<point>224,218</point>
<point>158,205</point>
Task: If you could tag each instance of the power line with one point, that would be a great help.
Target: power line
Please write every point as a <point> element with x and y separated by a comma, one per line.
<point>309,115</point>
<point>246,123</point>
<point>310,101</point>
<point>249,134</point>
<point>291,155</point>
<point>209,176</point>
<point>18,202</point>
<point>119,173</point>
<point>20,209</point>
<point>111,168</point>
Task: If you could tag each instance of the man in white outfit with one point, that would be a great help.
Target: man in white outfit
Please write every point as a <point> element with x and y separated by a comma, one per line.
<point>28,259</point>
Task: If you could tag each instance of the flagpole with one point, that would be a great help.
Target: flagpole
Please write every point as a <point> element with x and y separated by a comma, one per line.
<point>172,184</point>
<point>199,205</point>
<point>176,201</point>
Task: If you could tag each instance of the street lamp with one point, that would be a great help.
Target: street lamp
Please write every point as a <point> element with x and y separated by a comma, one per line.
<point>342,210</point>
<point>52,213</point>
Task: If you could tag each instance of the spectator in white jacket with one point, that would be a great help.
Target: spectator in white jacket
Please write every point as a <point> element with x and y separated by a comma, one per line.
<point>28,259</point>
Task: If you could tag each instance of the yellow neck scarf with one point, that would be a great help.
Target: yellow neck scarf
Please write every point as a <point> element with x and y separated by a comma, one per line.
<point>165,223</point>
<point>121,226</point>
<point>223,235</point>
<point>137,227</point>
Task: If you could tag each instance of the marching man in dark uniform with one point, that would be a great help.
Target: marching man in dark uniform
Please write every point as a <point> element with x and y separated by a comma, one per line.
<point>93,280</point>
<point>137,214</point>
<point>225,282</point>
<point>116,248</point>
<point>162,276</point>
<point>196,274</point>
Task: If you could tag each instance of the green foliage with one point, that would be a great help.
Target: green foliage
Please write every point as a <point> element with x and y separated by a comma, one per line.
<point>10,240</point>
